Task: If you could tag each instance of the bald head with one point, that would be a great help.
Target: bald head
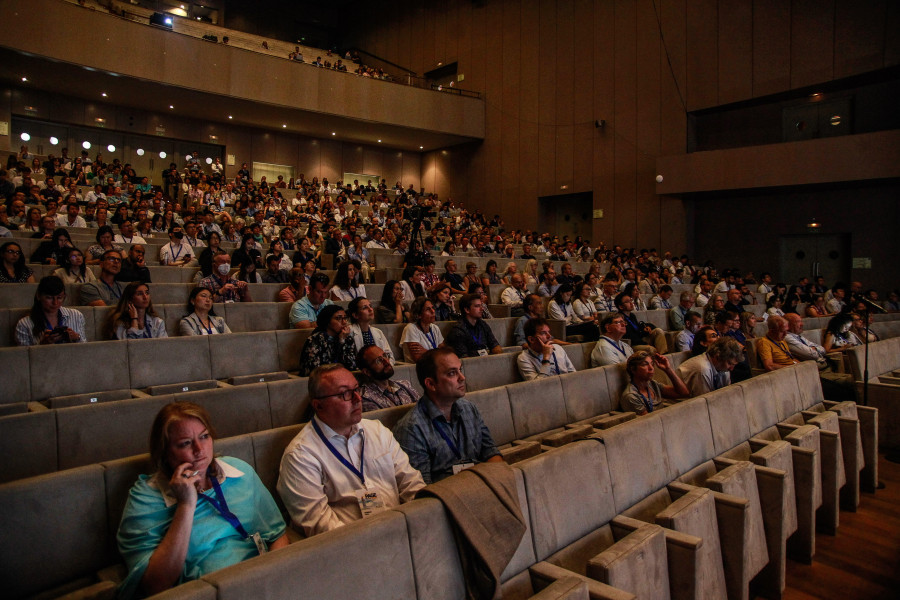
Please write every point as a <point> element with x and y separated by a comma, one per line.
<point>795,323</point>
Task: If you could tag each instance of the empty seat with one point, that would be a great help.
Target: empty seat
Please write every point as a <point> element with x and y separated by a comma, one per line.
<point>483,372</point>
<point>35,431</point>
<point>109,362</point>
<point>168,360</point>
<point>244,354</point>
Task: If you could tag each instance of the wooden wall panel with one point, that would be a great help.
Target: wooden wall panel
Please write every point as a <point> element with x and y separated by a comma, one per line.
<point>565,82</point>
<point>625,124</point>
<point>771,46</point>
<point>859,34</point>
<point>702,19</point>
<point>548,94</point>
<point>892,42</point>
<point>673,131</point>
<point>812,42</point>
<point>508,176</point>
<point>604,142</point>
<point>648,123</point>
<point>582,98</point>
<point>735,50</point>
<point>528,115</point>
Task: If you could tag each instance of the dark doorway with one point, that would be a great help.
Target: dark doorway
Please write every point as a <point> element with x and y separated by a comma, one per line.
<point>568,214</point>
<point>814,254</point>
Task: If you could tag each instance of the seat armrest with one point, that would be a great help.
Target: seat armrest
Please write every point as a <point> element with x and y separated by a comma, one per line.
<point>622,526</point>
<point>519,452</point>
<point>611,420</point>
<point>561,438</point>
<point>544,573</point>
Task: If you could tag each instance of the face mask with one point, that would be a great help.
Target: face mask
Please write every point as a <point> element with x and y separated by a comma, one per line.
<point>178,235</point>
<point>224,269</point>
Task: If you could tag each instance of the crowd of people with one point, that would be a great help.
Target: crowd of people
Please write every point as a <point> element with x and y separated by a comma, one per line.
<point>342,468</point>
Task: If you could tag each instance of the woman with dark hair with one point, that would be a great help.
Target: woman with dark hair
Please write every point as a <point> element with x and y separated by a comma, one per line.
<point>471,277</point>
<point>412,283</point>
<point>171,529</point>
<point>817,307</point>
<point>214,245</point>
<point>330,342</point>
<point>584,303</point>
<point>304,253</point>
<point>561,309</point>
<point>49,322</point>
<point>247,251</point>
<point>362,316</point>
<point>157,224</point>
<point>442,300</point>
<point>421,334</point>
<point>14,269</point>
<point>54,250</point>
<point>346,285</point>
<point>839,335</point>
<point>276,249</point>
<point>32,220</point>
<point>632,290</point>
<point>390,309</point>
<point>75,270</point>
<point>104,244</point>
<point>490,274</point>
<point>201,318</point>
<point>134,318</point>
<point>120,215</point>
<point>774,304</point>
<point>247,272</point>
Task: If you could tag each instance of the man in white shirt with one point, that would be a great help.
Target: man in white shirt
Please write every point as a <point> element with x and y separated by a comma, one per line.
<point>341,468</point>
<point>704,294</point>
<point>610,349</point>
<point>542,358</point>
<point>711,370</point>
<point>126,234</point>
<point>606,300</point>
<point>71,218</point>
<point>800,347</point>
<point>176,253</point>
<point>514,296</point>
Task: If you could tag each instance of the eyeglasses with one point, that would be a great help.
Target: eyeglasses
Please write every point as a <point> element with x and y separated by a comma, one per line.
<point>114,259</point>
<point>381,360</point>
<point>347,395</point>
<point>13,251</point>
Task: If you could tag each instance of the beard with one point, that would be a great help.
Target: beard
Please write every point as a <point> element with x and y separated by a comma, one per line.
<point>384,375</point>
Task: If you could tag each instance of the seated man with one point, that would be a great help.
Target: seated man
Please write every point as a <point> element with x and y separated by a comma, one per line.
<point>341,468</point>
<point>610,349</point>
<point>457,285</point>
<point>514,295</point>
<point>177,253</point>
<point>379,390</point>
<point>711,370</point>
<point>305,310</point>
<point>684,341</point>
<point>835,386</point>
<point>661,300</point>
<point>105,291</point>
<point>704,294</point>
<point>550,284</point>
<point>606,301</point>
<point>273,274</point>
<point>127,235</point>
<point>223,287</point>
<point>638,332</point>
<point>445,433</point>
<point>773,352</point>
<point>542,358</point>
<point>134,268</point>
<point>471,336</point>
<point>735,301</point>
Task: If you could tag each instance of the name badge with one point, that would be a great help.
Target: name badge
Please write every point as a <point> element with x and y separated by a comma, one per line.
<point>369,503</point>
<point>259,543</point>
<point>483,352</point>
<point>462,467</point>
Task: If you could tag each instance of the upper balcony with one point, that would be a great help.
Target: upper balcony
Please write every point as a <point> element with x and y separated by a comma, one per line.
<point>152,68</point>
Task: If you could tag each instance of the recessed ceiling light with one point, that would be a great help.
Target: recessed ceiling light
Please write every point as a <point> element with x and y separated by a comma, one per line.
<point>421,147</point>
<point>86,145</point>
<point>25,136</point>
<point>54,140</point>
<point>230,117</point>
<point>171,107</point>
<point>103,94</point>
<point>283,125</point>
<point>162,154</point>
<point>111,148</point>
<point>24,79</point>
<point>208,160</point>
<point>140,151</point>
<point>379,141</point>
<point>333,133</point>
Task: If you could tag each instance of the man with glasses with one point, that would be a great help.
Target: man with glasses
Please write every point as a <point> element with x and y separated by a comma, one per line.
<point>610,348</point>
<point>341,468</point>
<point>380,391</point>
<point>106,291</point>
<point>542,358</point>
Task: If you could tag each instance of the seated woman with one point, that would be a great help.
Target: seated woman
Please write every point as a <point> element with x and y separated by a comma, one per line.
<point>817,307</point>
<point>774,304</point>
<point>304,253</point>
<point>362,315</point>
<point>134,317</point>
<point>247,252</point>
<point>391,309</point>
<point>715,305</point>
<point>74,270</point>
<point>346,285</point>
<point>421,335</point>
<point>172,528</point>
<point>49,322</point>
<point>748,323</point>
<point>330,342</point>
<point>213,246</point>
<point>201,319</point>
<point>276,249</point>
<point>442,300</point>
<point>530,272</point>
<point>54,250</point>
<point>632,290</point>
<point>14,269</point>
<point>839,336</point>
<point>859,327</point>
<point>584,303</point>
<point>560,308</point>
<point>643,394</point>
<point>104,244</point>
<point>471,277</point>
<point>247,272</point>
<point>490,275</point>
<point>412,283</point>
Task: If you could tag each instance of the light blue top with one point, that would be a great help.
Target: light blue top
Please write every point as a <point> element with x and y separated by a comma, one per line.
<point>303,310</point>
<point>214,543</point>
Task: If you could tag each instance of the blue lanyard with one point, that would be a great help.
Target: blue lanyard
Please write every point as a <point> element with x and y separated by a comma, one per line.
<point>431,338</point>
<point>173,253</point>
<point>340,457</point>
<point>440,429</point>
<point>479,339</point>
<point>114,292</point>
<point>60,321</point>
<point>555,363</point>
<point>648,403</point>
<point>615,345</point>
<point>220,505</point>
<point>563,308</point>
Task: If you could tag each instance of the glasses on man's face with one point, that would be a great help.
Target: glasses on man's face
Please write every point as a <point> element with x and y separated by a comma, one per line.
<point>113,259</point>
<point>348,395</point>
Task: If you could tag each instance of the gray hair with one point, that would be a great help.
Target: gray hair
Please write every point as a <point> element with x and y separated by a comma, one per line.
<point>725,349</point>
<point>319,373</point>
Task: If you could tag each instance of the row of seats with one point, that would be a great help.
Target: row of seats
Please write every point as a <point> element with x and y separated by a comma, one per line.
<point>883,383</point>
<point>710,508</point>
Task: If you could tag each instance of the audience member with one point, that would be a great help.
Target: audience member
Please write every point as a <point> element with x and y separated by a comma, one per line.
<point>346,285</point>
<point>541,357</point>
<point>611,349</point>
<point>54,250</point>
<point>472,336</point>
<point>106,290</point>
<point>14,269</point>
<point>342,468</point>
<point>49,322</point>
<point>514,295</point>
<point>711,370</point>
<point>379,390</point>
<point>362,315</point>
<point>839,336</point>
<point>331,342</point>
<point>225,288</point>
<point>177,253</point>
<point>304,312</point>
<point>684,341</point>
<point>133,267</point>
<point>134,317</point>
<point>104,244</point>
<point>421,334</point>
<point>390,309</point>
<point>444,433</point>
<point>643,394</point>
<point>201,318</point>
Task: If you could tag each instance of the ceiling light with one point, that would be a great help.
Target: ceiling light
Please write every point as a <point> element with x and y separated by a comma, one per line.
<point>86,145</point>
<point>111,148</point>
<point>163,155</point>
<point>24,79</point>
<point>283,125</point>
<point>140,151</point>
<point>25,137</point>
<point>421,147</point>
<point>103,94</point>
<point>379,141</point>
<point>208,160</point>
<point>171,107</point>
<point>230,117</point>
<point>333,133</point>
<point>53,141</point>
<point>187,157</point>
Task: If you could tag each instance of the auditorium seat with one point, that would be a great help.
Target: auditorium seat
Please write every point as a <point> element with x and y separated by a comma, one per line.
<point>493,404</point>
<point>82,368</point>
<point>484,372</point>
<point>167,360</point>
<point>34,431</point>
<point>234,410</point>
<point>243,354</point>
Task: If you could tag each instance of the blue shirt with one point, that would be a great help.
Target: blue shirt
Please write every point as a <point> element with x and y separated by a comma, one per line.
<point>418,435</point>
<point>303,310</point>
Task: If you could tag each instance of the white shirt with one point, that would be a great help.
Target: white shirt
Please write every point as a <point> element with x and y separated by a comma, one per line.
<point>379,337</point>
<point>610,352</point>
<point>803,349</point>
<point>63,221</point>
<point>584,310</point>
<point>320,493</point>
<point>349,293</point>
<point>563,312</point>
<point>531,367</point>
<point>134,239</point>
<point>172,252</point>
<point>412,333</point>
<point>701,376</point>
<point>702,300</point>
<point>513,297</point>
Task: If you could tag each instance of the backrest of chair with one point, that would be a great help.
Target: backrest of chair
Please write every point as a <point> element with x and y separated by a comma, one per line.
<point>119,476</point>
<point>244,354</point>
<point>28,445</point>
<point>688,433</point>
<point>785,392</point>
<point>728,417</point>
<point>616,380</point>
<point>483,372</point>
<point>586,394</point>
<point>393,332</point>
<point>762,408</point>
<point>289,401</point>
<point>407,372</point>
<point>16,375</point>
<point>575,352</point>
<point>168,360</point>
<point>493,404</point>
<point>109,368</point>
<point>638,462</point>
<point>569,494</point>
<point>234,410</point>
<point>537,406</point>
<point>808,384</point>
<point>253,316</point>
<point>268,448</point>
<point>68,509</point>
